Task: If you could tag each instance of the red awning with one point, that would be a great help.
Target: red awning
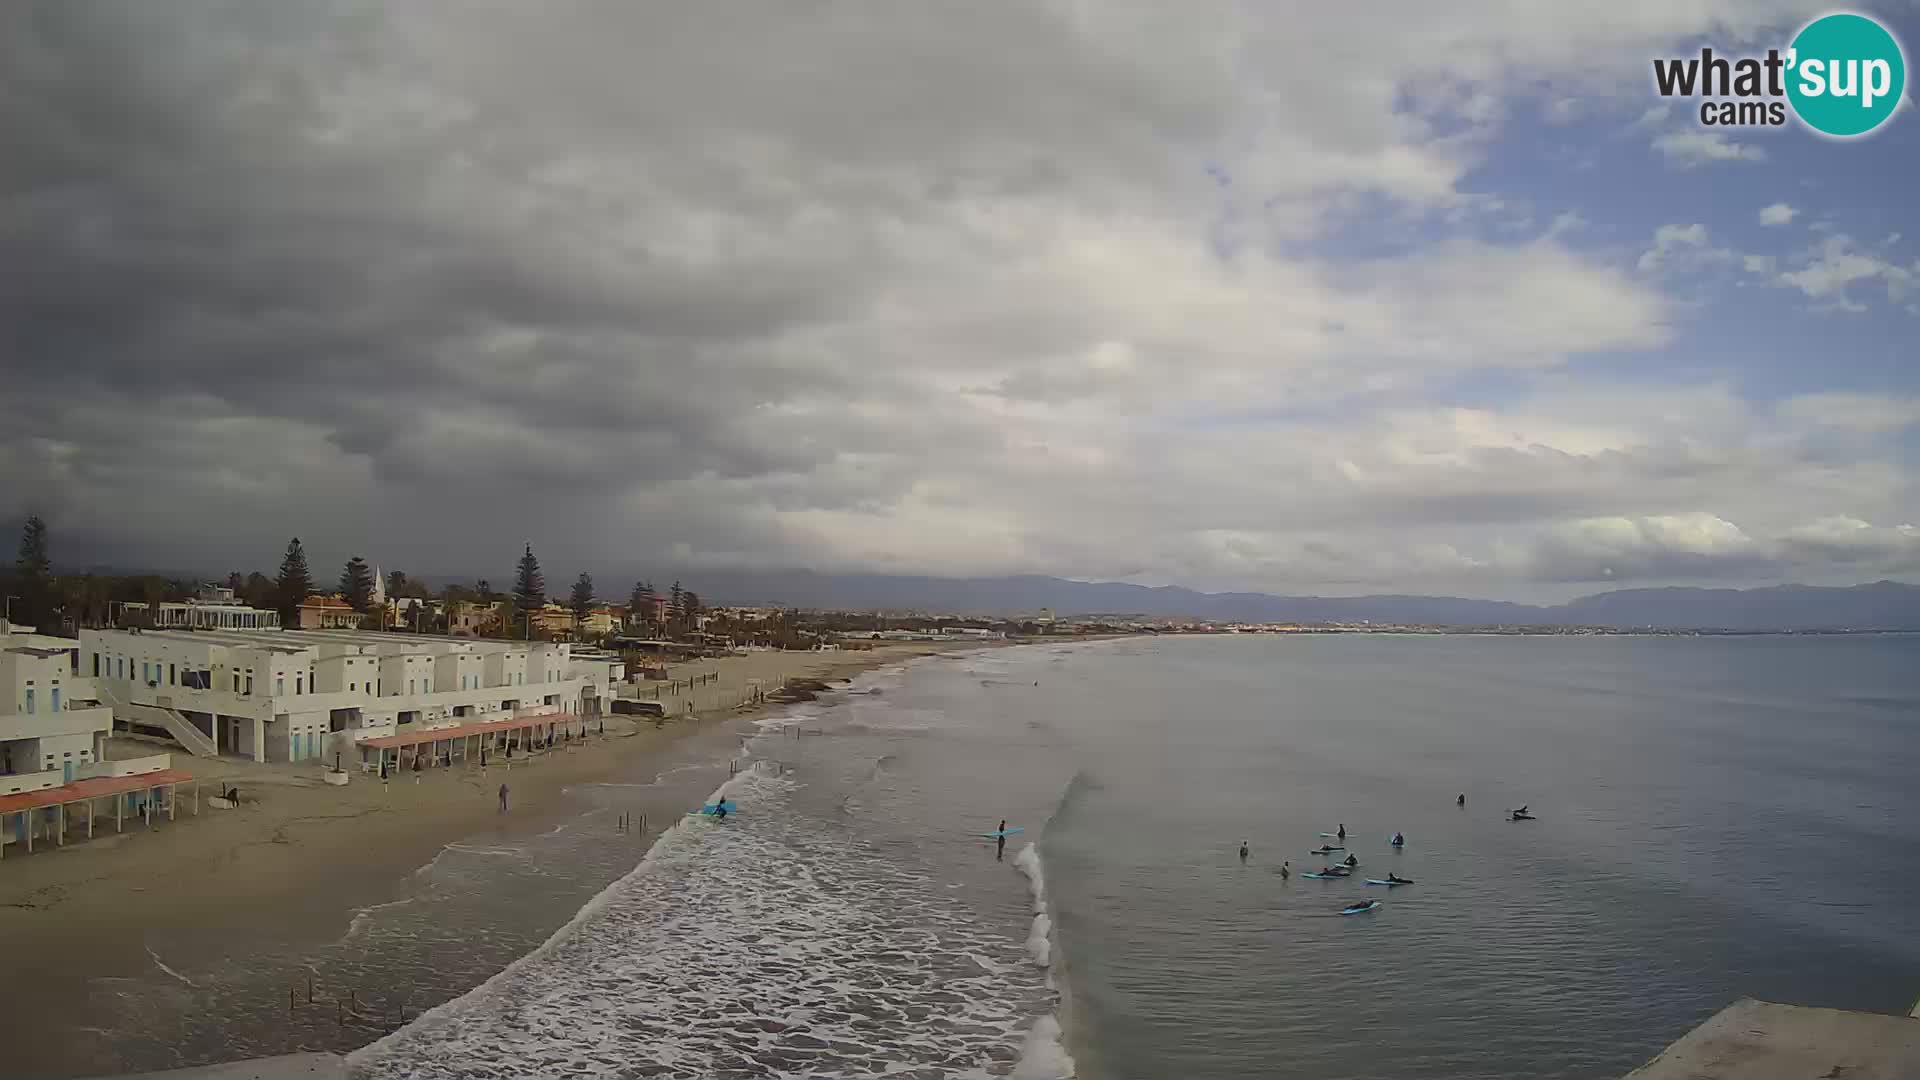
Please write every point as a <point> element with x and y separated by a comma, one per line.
<point>96,787</point>
<point>489,727</point>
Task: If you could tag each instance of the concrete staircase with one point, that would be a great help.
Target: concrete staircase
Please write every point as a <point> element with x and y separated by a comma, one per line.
<point>191,738</point>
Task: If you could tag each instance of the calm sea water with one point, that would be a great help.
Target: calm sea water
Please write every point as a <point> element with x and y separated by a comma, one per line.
<point>1717,817</point>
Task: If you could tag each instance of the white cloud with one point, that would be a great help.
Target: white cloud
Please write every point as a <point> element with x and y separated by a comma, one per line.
<point>1689,149</point>
<point>1683,248</point>
<point>1851,411</point>
<point>1777,214</point>
<point>1831,267</point>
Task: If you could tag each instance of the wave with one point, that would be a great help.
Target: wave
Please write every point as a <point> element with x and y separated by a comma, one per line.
<point>1044,1054</point>
<point>767,945</point>
<point>670,838</point>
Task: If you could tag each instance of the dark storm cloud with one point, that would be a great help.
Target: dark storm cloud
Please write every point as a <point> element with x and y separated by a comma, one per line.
<point>782,284</point>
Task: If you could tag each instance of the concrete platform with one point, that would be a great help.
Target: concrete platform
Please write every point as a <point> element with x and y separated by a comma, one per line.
<point>288,1067</point>
<point>1758,1040</point>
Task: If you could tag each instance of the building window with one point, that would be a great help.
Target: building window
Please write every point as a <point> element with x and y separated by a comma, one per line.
<point>54,699</point>
<point>279,686</point>
<point>171,679</point>
<point>29,701</point>
<point>96,665</point>
<point>249,686</point>
<point>298,683</point>
<point>354,686</point>
<point>236,682</point>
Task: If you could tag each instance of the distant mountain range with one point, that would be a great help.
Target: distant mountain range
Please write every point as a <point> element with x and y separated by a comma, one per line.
<point>1881,605</point>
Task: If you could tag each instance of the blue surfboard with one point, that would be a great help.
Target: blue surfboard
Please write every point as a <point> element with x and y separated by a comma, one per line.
<point>997,833</point>
<point>712,809</point>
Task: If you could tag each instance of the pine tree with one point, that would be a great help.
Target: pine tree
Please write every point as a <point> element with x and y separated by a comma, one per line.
<point>33,571</point>
<point>690,601</point>
<point>641,603</point>
<point>676,604</point>
<point>356,585</point>
<point>396,584</point>
<point>529,590</point>
<point>295,584</point>
<point>582,597</point>
<point>258,590</point>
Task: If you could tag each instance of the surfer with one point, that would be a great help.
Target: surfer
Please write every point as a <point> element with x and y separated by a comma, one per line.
<point>1395,879</point>
<point>1000,841</point>
<point>1243,851</point>
<point>720,808</point>
<point>1353,860</point>
<point>503,798</point>
<point>1460,800</point>
<point>1286,869</point>
<point>1399,840</point>
<point>1342,834</point>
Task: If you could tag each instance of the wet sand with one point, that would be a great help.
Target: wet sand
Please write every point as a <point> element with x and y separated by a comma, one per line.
<point>301,853</point>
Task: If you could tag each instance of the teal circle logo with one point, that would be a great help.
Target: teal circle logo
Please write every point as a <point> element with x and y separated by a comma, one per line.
<point>1846,75</point>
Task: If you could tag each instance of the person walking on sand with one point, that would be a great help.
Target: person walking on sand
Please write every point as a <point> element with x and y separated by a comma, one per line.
<point>503,798</point>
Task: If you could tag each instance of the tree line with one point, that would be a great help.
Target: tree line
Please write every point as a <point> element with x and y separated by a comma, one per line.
<point>36,596</point>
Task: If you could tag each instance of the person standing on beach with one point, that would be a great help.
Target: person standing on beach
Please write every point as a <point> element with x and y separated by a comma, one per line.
<point>503,798</point>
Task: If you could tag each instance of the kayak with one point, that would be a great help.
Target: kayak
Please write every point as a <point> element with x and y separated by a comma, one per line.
<point>1356,909</point>
<point>1377,881</point>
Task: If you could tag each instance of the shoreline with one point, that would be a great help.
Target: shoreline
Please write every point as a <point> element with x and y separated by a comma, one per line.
<point>299,859</point>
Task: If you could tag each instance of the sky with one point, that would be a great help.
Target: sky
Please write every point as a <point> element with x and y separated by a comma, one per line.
<point>1299,298</point>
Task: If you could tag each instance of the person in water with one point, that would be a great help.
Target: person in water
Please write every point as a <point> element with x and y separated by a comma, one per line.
<point>1343,830</point>
<point>1398,840</point>
<point>1243,851</point>
<point>1286,869</point>
<point>1460,800</point>
<point>720,808</point>
<point>1000,841</point>
<point>1353,860</point>
<point>1397,879</point>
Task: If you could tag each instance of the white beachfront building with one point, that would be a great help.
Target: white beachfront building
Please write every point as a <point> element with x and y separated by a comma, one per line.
<point>51,726</point>
<point>300,695</point>
<point>215,608</point>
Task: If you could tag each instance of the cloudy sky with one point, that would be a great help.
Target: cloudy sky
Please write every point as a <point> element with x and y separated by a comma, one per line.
<point>1364,297</point>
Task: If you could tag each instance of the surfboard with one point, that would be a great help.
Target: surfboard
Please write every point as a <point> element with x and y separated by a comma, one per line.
<point>712,808</point>
<point>1377,881</point>
<point>1360,909</point>
<point>996,834</point>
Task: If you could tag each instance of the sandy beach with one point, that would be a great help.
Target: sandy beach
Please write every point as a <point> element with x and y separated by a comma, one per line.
<point>300,851</point>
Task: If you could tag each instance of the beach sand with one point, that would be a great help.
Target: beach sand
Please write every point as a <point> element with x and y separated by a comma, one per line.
<point>298,850</point>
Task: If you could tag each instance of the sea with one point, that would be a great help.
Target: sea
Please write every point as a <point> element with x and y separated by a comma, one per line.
<point>1712,818</point>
